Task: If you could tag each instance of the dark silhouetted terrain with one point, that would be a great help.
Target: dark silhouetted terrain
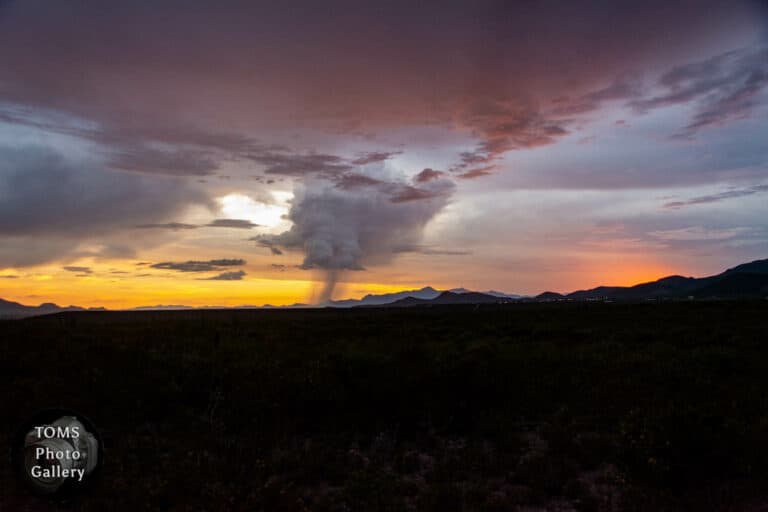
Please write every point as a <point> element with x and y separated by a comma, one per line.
<point>749,280</point>
<point>582,406</point>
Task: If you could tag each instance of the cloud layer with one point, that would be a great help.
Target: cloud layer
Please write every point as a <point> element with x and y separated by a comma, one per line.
<point>198,266</point>
<point>532,120</point>
<point>340,228</point>
<point>496,70</point>
<point>49,204</point>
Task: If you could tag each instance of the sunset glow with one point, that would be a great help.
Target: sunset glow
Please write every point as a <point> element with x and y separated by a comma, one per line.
<point>406,146</point>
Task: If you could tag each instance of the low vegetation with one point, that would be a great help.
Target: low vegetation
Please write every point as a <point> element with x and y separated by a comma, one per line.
<point>593,407</point>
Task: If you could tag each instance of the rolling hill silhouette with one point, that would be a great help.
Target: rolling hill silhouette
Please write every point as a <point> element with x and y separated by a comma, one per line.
<point>452,298</point>
<point>749,280</point>
<point>14,309</point>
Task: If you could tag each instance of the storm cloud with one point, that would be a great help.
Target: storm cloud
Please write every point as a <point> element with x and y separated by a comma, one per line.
<point>49,204</point>
<point>347,229</point>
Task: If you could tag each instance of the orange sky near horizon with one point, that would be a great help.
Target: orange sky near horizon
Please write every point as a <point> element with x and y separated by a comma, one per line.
<point>105,288</point>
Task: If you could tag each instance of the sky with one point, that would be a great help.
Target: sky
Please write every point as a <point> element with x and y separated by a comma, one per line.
<point>248,153</point>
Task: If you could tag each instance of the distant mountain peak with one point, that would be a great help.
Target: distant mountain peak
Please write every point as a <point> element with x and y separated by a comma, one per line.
<point>549,296</point>
<point>16,310</point>
<point>495,293</point>
<point>427,292</point>
<point>450,297</point>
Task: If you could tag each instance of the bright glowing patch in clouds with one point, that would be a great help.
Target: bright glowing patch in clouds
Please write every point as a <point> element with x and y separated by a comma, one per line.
<point>239,206</point>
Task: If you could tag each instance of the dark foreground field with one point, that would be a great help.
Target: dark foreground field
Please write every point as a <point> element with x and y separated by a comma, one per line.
<point>520,407</point>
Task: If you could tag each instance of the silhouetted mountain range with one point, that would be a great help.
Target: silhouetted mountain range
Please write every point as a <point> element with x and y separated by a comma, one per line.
<point>426,294</point>
<point>494,293</point>
<point>749,280</point>
<point>14,309</point>
<point>453,298</point>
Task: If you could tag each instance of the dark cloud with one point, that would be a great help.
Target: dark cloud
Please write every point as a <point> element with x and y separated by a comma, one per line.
<point>232,223</point>
<point>721,196</point>
<point>79,270</point>
<point>177,162</point>
<point>171,134</point>
<point>174,150</point>
<point>266,241</point>
<point>431,250</point>
<point>110,249</point>
<point>51,204</point>
<point>407,193</point>
<point>725,88</point>
<point>621,89</point>
<point>444,252</point>
<point>291,164</point>
<point>699,234</point>
<point>227,276</point>
<point>227,262</point>
<point>348,229</point>
<point>469,158</point>
<point>323,165</point>
<point>491,68</point>
<point>174,226</point>
<point>53,195</point>
<point>374,157</point>
<point>736,103</point>
<point>618,90</point>
<point>9,277</point>
<point>427,175</point>
<point>198,266</point>
<point>353,180</point>
<point>216,223</point>
<point>505,126</point>
<point>477,172</point>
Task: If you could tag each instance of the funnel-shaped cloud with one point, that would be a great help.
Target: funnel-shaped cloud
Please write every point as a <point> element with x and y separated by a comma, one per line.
<point>341,228</point>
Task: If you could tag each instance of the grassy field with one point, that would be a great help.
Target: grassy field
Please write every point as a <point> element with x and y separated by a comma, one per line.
<point>500,408</point>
